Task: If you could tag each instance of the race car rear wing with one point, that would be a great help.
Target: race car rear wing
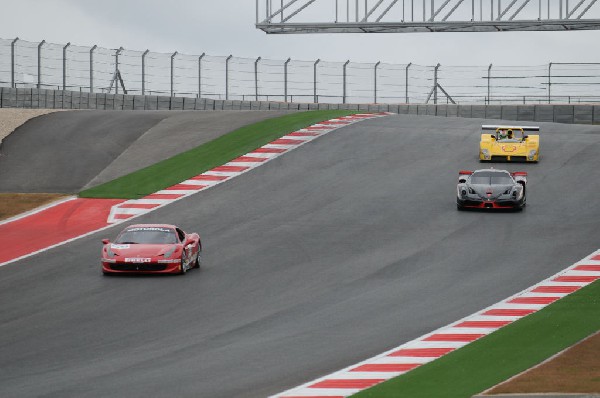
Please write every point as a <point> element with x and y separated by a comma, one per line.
<point>490,127</point>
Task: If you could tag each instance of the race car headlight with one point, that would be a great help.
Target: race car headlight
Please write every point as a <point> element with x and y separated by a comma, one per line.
<point>485,153</point>
<point>169,252</point>
<point>471,191</point>
<point>517,194</point>
<point>109,252</point>
<point>532,154</point>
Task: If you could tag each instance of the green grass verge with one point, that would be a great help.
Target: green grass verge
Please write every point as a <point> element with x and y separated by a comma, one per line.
<point>502,354</point>
<point>207,156</point>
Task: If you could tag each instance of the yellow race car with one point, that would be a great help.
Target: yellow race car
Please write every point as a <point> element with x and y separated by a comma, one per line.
<point>509,144</point>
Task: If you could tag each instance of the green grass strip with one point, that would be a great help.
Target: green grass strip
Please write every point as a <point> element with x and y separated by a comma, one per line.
<point>207,156</point>
<point>502,354</point>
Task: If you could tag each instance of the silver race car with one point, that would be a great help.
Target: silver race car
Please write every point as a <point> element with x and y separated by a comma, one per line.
<point>491,189</point>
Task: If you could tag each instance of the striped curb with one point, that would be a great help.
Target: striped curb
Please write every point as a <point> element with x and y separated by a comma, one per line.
<point>440,342</point>
<point>137,207</point>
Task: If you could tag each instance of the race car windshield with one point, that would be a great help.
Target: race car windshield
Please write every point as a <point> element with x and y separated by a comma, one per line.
<point>516,134</point>
<point>147,236</point>
<point>491,178</point>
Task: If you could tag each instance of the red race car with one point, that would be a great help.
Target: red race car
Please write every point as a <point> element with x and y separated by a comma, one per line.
<point>151,249</point>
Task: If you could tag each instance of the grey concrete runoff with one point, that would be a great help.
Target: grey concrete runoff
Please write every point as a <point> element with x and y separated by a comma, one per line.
<point>328,255</point>
<point>67,151</point>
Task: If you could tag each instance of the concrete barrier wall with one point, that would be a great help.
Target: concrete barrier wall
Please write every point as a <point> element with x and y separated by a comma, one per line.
<point>57,99</point>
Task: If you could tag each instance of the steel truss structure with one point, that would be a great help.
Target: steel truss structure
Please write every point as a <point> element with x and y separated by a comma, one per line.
<point>405,16</point>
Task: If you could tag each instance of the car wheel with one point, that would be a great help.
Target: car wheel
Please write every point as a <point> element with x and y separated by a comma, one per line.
<point>183,266</point>
<point>198,261</point>
<point>459,207</point>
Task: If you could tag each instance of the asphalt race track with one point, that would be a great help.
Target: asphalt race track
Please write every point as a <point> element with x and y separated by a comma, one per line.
<point>328,255</point>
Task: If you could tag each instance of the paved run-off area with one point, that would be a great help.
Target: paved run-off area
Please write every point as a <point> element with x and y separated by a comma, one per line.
<point>67,151</point>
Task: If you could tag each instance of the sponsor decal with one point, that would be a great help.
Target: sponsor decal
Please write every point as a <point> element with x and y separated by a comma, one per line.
<point>509,148</point>
<point>115,246</point>
<point>167,230</point>
<point>137,260</point>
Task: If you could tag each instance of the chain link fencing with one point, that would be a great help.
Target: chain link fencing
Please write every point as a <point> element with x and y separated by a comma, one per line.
<point>43,65</point>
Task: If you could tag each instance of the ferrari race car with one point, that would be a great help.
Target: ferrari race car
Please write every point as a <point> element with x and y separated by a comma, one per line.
<point>151,248</point>
<point>510,144</point>
<point>491,189</point>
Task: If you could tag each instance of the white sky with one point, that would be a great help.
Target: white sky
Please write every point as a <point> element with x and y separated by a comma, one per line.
<point>223,27</point>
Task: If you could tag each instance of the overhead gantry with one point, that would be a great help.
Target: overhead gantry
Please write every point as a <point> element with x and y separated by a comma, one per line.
<point>404,16</point>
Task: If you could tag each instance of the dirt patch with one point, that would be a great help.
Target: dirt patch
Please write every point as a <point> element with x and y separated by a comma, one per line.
<point>576,370</point>
<point>12,204</point>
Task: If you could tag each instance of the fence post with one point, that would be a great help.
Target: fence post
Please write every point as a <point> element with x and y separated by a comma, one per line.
<point>375,82</point>
<point>435,84</point>
<point>144,71</point>
<point>256,78</point>
<point>285,79</point>
<point>344,81</point>
<point>549,82</point>
<point>227,77</point>
<point>12,63</point>
<point>117,72</point>
<point>172,70</point>
<point>92,68</point>
<point>65,65</point>
<point>406,75</point>
<point>315,99</point>
<point>200,74</point>
<point>489,96</point>
<point>39,64</point>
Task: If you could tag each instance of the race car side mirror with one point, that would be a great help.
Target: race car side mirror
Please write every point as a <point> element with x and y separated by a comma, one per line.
<point>462,181</point>
<point>105,241</point>
<point>525,137</point>
<point>493,136</point>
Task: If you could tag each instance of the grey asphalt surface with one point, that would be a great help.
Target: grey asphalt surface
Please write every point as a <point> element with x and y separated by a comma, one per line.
<point>65,152</point>
<point>328,255</point>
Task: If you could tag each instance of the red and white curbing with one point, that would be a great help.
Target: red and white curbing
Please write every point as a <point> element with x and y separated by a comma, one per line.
<point>234,168</point>
<point>413,354</point>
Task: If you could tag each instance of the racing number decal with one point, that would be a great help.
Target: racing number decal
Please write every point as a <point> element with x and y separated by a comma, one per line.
<point>509,148</point>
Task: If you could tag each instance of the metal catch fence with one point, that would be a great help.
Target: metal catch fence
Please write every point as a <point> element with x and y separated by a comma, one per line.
<point>25,64</point>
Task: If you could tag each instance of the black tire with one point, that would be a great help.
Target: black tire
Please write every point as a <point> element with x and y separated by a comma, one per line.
<point>197,262</point>
<point>459,207</point>
<point>183,268</point>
